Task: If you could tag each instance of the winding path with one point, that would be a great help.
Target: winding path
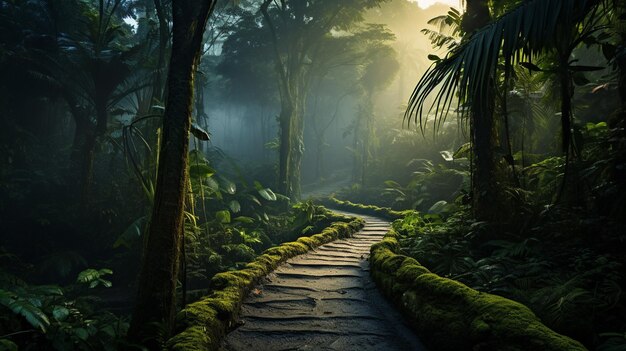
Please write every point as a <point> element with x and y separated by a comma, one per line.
<point>324,300</point>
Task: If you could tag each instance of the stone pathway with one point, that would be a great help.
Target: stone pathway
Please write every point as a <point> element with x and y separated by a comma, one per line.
<point>324,300</point>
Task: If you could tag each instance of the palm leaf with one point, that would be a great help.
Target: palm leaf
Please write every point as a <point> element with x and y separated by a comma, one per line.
<point>466,72</point>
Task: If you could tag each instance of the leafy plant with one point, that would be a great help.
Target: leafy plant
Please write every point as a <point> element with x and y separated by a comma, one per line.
<point>94,277</point>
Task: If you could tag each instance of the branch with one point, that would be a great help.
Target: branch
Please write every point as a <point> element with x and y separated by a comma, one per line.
<point>279,62</point>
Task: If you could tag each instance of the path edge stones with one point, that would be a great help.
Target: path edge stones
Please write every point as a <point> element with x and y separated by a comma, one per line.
<point>202,325</point>
<point>446,314</point>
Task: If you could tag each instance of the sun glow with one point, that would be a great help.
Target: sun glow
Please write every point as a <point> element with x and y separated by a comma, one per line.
<point>427,3</point>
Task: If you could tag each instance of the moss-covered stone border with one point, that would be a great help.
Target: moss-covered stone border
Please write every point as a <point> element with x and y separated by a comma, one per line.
<point>202,325</point>
<point>448,315</point>
<point>382,212</point>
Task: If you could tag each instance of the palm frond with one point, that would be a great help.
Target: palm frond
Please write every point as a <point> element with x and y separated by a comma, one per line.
<point>466,72</point>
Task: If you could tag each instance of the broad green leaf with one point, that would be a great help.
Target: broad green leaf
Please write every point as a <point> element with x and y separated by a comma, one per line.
<point>229,187</point>
<point>212,184</point>
<point>60,313</point>
<point>447,155</point>
<point>438,207</point>
<point>267,194</point>
<point>200,133</point>
<point>463,151</point>
<point>243,219</point>
<point>31,313</point>
<point>234,206</point>
<point>200,170</point>
<point>223,216</point>
<point>88,275</point>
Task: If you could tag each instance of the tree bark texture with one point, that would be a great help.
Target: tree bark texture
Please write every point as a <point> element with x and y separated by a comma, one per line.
<point>156,298</point>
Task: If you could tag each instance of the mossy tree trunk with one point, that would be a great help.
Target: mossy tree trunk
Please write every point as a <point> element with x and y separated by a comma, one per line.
<point>156,298</point>
<point>292,85</point>
<point>285,118</point>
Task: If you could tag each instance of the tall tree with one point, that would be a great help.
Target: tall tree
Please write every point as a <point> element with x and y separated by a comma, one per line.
<point>361,61</point>
<point>156,298</point>
<point>484,192</point>
<point>521,34</point>
<point>297,29</point>
<point>377,74</point>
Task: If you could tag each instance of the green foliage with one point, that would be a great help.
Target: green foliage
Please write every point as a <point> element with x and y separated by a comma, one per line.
<point>94,277</point>
<point>8,345</point>
<point>204,323</point>
<point>27,303</point>
<point>569,288</point>
<point>225,242</point>
<point>132,233</point>
<point>451,316</point>
<point>433,188</point>
<point>56,317</point>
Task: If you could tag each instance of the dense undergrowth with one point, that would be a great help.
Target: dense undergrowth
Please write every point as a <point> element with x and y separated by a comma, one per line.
<point>575,290</point>
<point>556,243</point>
<point>563,260</point>
<point>68,281</point>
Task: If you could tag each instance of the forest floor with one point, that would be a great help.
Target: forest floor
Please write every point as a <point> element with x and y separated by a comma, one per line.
<point>324,300</point>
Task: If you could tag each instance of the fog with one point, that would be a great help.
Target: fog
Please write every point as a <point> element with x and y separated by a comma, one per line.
<point>246,129</point>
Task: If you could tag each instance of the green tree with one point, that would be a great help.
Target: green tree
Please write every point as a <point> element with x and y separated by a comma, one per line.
<point>297,29</point>
<point>469,69</point>
<point>156,297</point>
<point>358,61</point>
<point>378,72</point>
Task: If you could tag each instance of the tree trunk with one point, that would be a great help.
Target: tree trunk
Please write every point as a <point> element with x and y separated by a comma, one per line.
<point>292,87</point>
<point>82,157</point>
<point>156,298</point>
<point>484,183</point>
<point>297,147</point>
<point>485,198</point>
<point>367,132</point>
<point>357,143</point>
<point>83,148</point>
<point>285,118</point>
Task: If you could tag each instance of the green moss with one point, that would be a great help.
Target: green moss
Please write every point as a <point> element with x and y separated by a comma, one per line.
<point>203,324</point>
<point>479,329</point>
<point>448,315</point>
<point>383,212</point>
<point>194,338</point>
<point>309,242</point>
<point>391,263</point>
<point>409,271</point>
